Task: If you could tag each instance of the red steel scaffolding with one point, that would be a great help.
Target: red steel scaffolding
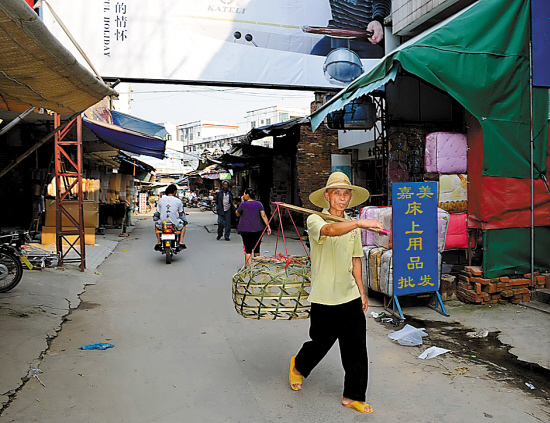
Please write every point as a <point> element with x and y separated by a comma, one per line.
<point>68,179</point>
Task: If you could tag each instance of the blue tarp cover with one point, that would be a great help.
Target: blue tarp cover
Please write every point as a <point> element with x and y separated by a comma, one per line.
<point>540,16</point>
<point>138,125</point>
<point>127,140</point>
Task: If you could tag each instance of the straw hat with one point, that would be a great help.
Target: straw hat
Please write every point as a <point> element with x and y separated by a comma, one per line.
<point>339,180</point>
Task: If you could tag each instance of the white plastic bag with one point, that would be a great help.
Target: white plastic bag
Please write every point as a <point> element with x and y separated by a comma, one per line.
<point>409,336</point>
<point>433,352</point>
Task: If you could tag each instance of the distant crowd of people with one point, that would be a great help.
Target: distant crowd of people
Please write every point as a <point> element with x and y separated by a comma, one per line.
<point>252,219</point>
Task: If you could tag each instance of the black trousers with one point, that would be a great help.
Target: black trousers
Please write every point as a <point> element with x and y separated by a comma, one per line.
<point>347,324</point>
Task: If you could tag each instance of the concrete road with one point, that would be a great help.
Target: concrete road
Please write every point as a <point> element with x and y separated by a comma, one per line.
<point>182,354</point>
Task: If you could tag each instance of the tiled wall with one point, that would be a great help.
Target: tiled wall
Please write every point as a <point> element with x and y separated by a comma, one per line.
<point>406,14</point>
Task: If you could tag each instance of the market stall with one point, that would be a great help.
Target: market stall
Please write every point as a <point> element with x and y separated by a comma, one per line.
<point>485,68</point>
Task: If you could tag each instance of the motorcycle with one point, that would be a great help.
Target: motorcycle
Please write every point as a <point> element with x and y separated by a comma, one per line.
<point>11,266</point>
<point>195,202</point>
<point>169,239</point>
<point>206,204</point>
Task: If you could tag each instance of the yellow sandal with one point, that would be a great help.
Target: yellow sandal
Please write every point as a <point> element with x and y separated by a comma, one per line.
<point>359,406</point>
<point>293,378</point>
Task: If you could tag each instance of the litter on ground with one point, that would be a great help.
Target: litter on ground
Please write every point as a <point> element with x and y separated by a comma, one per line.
<point>458,371</point>
<point>433,352</point>
<point>482,333</point>
<point>97,346</point>
<point>409,336</point>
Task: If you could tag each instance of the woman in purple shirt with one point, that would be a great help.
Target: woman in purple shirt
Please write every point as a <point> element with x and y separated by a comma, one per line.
<point>252,222</point>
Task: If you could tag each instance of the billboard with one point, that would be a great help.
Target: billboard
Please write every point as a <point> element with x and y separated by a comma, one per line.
<point>284,43</point>
<point>415,255</point>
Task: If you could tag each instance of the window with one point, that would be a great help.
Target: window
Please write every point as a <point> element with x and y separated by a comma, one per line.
<point>268,121</point>
<point>283,117</point>
<point>262,122</point>
<point>253,124</point>
<point>191,136</point>
<point>198,134</point>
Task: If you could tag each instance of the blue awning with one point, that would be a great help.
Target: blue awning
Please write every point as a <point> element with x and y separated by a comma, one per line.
<point>139,125</point>
<point>125,139</point>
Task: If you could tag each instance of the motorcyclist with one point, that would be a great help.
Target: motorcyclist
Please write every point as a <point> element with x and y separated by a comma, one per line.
<point>170,209</point>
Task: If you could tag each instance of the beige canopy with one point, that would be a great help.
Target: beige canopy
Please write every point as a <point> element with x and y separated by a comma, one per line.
<point>36,70</point>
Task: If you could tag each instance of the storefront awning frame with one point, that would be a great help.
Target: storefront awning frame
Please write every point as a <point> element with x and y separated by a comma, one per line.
<point>127,140</point>
<point>480,57</point>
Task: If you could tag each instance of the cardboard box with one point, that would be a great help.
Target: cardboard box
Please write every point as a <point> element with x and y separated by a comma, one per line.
<point>91,213</point>
<point>48,235</point>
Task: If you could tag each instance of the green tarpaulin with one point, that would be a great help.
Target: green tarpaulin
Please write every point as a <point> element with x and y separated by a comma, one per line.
<point>481,58</point>
<point>510,251</point>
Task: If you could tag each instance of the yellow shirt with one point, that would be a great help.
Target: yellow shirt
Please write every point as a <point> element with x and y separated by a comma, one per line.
<point>332,281</point>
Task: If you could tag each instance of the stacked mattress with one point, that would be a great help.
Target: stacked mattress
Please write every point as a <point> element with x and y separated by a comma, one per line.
<point>373,212</point>
<point>386,272</point>
<point>453,193</point>
<point>446,160</point>
<point>384,215</point>
<point>457,232</point>
<point>367,237</point>
<point>446,153</point>
<point>374,263</point>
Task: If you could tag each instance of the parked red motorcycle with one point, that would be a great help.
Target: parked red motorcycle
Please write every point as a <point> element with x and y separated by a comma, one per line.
<point>11,268</point>
<point>169,239</point>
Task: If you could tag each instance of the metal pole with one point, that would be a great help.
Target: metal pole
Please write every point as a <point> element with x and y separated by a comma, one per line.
<point>66,30</point>
<point>532,154</point>
<point>80,170</point>
<point>16,121</point>
<point>58,212</point>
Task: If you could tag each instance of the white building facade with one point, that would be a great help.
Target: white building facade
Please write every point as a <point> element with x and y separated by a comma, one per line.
<point>273,114</point>
<point>270,116</point>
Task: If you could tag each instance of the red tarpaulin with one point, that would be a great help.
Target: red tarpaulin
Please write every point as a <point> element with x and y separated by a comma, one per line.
<point>500,202</point>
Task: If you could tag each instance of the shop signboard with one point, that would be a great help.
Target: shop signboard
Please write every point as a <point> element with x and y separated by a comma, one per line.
<point>283,43</point>
<point>540,12</point>
<point>142,202</point>
<point>415,255</point>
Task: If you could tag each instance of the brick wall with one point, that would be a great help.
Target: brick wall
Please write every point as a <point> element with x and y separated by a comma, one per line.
<point>474,288</point>
<point>313,160</point>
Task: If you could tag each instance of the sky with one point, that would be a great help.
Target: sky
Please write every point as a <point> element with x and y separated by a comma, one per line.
<point>179,104</point>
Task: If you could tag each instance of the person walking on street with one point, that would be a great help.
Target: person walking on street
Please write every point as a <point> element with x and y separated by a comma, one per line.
<point>170,209</point>
<point>224,202</point>
<point>338,299</point>
<point>251,227</point>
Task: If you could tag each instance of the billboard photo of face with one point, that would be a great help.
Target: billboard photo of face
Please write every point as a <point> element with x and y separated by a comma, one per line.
<point>284,43</point>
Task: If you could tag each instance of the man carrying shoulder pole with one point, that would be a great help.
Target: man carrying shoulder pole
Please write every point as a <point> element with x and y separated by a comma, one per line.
<point>338,300</point>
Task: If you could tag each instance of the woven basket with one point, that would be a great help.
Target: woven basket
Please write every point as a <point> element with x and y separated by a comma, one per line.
<point>270,288</point>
